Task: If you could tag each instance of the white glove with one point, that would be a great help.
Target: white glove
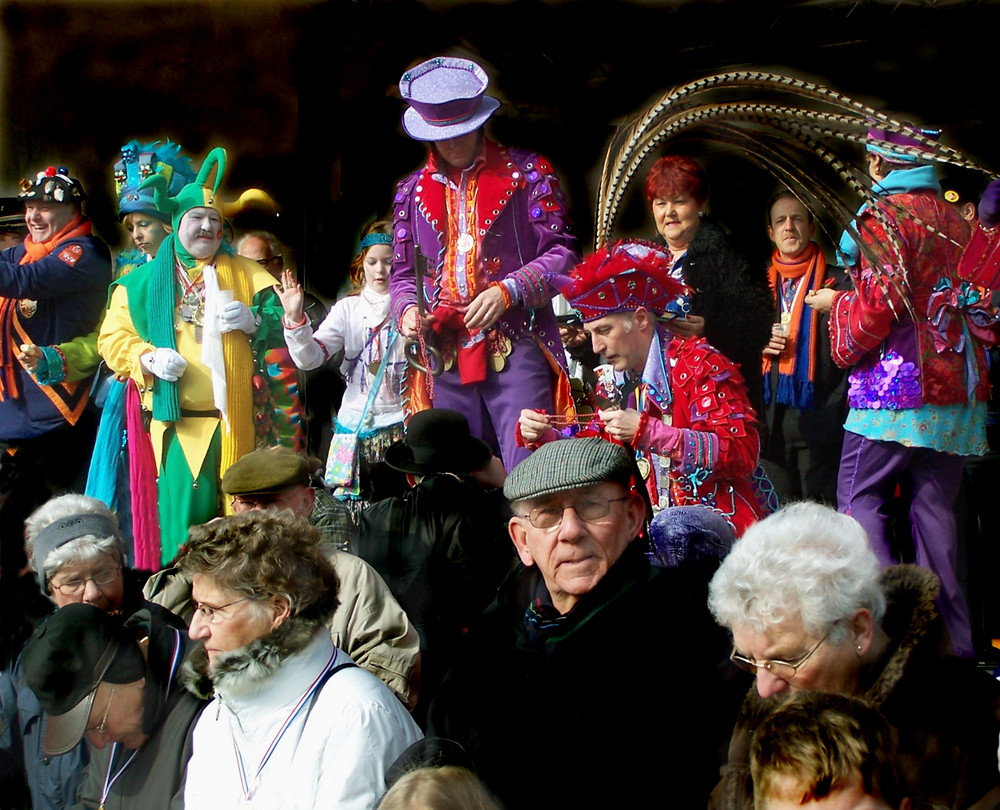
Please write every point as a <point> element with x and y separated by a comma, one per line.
<point>236,315</point>
<point>164,363</point>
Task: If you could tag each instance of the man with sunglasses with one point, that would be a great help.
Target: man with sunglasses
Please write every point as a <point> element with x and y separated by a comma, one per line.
<point>579,669</point>
<point>117,685</point>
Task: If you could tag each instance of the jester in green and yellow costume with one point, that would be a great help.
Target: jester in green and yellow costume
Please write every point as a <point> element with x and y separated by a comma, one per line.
<point>193,328</point>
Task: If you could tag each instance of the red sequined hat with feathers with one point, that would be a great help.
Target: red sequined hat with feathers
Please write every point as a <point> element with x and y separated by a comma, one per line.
<point>623,276</point>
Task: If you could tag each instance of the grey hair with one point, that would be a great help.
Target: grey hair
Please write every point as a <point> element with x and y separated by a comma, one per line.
<point>80,549</point>
<point>806,560</point>
<point>264,236</point>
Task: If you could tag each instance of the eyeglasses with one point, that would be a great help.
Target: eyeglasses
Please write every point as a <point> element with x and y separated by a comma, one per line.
<point>213,614</point>
<point>77,585</point>
<point>256,501</point>
<point>779,669</point>
<point>278,260</point>
<point>588,509</point>
<point>102,726</point>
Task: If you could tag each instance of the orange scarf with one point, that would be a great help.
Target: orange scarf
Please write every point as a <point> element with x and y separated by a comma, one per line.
<point>810,270</point>
<point>34,252</point>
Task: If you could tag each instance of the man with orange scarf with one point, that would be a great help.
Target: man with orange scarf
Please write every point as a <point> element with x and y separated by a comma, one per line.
<point>52,289</point>
<point>191,328</point>
<point>803,389</point>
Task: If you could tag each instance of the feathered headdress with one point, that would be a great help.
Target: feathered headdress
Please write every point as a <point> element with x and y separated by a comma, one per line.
<point>794,132</point>
<point>621,278</point>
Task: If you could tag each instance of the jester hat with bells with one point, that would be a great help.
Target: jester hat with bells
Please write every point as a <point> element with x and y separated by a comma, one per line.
<point>232,373</point>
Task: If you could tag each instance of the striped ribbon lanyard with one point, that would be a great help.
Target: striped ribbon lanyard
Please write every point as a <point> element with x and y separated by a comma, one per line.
<point>244,781</point>
<point>110,780</point>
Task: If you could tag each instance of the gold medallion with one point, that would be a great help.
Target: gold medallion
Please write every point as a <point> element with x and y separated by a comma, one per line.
<point>644,468</point>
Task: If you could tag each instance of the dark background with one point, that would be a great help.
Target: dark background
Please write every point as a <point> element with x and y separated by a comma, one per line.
<point>304,94</point>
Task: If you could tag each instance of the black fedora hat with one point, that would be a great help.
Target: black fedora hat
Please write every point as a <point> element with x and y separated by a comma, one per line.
<point>437,440</point>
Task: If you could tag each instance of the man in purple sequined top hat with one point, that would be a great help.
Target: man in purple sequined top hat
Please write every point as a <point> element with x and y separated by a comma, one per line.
<point>482,230</point>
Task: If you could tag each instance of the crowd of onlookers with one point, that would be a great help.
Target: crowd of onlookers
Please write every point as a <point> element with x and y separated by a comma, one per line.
<point>581,550</point>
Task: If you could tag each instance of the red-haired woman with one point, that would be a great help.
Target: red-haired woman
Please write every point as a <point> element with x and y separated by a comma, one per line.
<point>730,304</point>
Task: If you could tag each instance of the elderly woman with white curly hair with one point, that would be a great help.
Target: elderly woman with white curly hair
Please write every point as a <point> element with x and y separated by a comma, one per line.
<point>809,609</point>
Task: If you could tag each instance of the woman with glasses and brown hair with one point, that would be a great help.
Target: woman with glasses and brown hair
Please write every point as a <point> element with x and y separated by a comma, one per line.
<point>74,545</point>
<point>294,722</point>
<point>810,610</point>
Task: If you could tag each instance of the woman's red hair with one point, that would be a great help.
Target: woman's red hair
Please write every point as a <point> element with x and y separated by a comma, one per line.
<point>672,175</point>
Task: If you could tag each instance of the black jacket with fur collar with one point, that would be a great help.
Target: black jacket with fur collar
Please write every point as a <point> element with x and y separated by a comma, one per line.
<point>947,712</point>
<point>733,299</point>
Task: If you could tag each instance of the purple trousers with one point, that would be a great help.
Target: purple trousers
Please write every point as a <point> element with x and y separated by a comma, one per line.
<point>494,405</point>
<point>869,471</point>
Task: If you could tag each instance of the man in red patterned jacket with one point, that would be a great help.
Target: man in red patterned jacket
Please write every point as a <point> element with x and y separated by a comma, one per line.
<point>914,333</point>
<point>687,415</point>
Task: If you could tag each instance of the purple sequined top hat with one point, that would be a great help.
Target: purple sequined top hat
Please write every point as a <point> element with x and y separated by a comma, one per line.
<point>891,138</point>
<point>446,97</point>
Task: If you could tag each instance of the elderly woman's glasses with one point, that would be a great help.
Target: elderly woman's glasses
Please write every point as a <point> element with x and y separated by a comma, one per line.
<point>588,509</point>
<point>213,613</point>
<point>779,669</point>
<point>77,585</point>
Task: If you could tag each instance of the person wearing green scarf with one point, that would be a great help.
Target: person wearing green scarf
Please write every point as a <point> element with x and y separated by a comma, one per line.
<point>191,327</point>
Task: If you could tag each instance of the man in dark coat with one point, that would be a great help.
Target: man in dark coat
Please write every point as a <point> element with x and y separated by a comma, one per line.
<point>570,691</point>
<point>442,547</point>
<point>53,287</point>
<point>117,685</point>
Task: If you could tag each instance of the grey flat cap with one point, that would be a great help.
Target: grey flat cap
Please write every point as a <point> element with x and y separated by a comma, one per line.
<point>568,464</point>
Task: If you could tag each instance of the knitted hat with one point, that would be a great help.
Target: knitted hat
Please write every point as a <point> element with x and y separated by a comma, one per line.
<point>266,472</point>
<point>447,99</point>
<point>568,464</point>
<point>138,163</point>
<point>622,277</point>
<point>72,527</point>
<point>68,655</point>
<point>53,185</point>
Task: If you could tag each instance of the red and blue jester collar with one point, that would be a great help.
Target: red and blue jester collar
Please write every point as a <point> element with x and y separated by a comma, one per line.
<point>622,277</point>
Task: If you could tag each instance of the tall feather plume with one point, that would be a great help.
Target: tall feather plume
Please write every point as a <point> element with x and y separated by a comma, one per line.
<point>796,130</point>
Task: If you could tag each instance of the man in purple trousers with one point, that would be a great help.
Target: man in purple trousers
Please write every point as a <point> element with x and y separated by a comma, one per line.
<point>484,229</point>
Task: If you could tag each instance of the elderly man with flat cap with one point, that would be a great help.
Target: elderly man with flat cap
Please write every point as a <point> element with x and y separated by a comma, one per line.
<point>480,231</point>
<point>117,684</point>
<point>591,681</point>
<point>369,624</point>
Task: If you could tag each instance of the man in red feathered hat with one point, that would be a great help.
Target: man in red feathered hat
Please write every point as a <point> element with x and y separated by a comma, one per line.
<point>687,414</point>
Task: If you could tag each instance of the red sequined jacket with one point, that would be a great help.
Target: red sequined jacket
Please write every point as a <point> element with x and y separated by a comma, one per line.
<point>691,386</point>
<point>942,343</point>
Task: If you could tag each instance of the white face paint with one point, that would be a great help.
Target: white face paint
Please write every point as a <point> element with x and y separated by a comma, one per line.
<point>200,232</point>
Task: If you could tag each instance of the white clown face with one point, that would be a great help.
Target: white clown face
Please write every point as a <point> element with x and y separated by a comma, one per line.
<point>200,232</point>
